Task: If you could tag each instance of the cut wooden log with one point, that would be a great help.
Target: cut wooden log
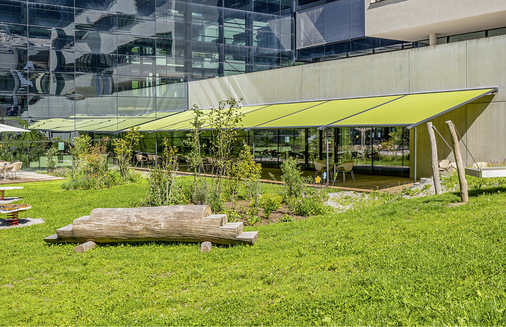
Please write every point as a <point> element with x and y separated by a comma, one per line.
<point>85,247</point>
<point>168,223</point>
<point>205,246</point>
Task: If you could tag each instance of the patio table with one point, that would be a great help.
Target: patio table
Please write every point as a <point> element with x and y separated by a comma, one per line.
<point>7,188</point>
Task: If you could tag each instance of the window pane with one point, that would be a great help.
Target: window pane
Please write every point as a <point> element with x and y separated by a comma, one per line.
<point>57,38</point>
<point>13,12</point>
<point>51,16</point>
<point>91,20</point>
<point>132,45</point>
<point>95,42</point>
<point>94,62</point>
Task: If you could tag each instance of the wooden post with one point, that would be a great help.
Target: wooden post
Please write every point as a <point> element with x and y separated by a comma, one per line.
<point>460,165</point>
<point>85,247</point>
<point>435,167</point>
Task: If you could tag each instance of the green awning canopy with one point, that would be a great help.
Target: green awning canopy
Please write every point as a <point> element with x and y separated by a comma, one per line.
<point>413,109</point>
<point>96,123</point>
<point>407,110</point>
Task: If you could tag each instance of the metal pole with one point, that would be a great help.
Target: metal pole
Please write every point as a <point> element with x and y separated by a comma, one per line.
<point>327,143</point>
<point>414,173</point>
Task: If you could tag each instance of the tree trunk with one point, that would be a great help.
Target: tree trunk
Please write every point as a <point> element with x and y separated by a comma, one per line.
<point>434,159</point>
<point>460,165</point>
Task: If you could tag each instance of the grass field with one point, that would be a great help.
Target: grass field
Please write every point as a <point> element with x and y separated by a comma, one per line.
<point>402,262</point>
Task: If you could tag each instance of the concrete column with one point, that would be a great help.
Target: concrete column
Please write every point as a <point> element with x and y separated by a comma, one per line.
<point>432,38</point>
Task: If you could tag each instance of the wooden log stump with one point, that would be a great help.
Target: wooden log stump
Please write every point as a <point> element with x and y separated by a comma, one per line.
<point>85,247</point>
<point>205,247</point>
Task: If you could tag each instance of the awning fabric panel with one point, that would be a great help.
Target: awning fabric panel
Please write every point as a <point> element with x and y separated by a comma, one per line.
<point>267,114</point>
<point>412,109</point>
<point>167,123</point>
<point>327,112</point>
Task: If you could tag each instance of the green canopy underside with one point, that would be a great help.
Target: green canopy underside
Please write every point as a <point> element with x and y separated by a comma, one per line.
<point>96,123</point>
<point>398,110</point>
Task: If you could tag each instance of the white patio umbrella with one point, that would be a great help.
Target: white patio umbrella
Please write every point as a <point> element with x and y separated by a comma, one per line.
<point>8,128</point>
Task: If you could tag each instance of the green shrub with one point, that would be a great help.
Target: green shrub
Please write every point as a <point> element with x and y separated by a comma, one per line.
<point>201,192</point>
<point>286,218</point>
<point>164,189</point>
<point>215,202</point>
<point>270,202</point>
<point>311,203</point>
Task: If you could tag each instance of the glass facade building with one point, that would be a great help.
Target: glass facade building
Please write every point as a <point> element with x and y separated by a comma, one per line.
<point>130,58</point>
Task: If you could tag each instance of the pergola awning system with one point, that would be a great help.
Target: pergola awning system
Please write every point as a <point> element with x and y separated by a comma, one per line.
<point>407,110</point>
<point>96,123</point>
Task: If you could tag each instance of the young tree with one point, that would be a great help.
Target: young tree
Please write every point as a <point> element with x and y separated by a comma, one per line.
<point>123,147</point>
<point>193,141</point>
<point>225,121</point>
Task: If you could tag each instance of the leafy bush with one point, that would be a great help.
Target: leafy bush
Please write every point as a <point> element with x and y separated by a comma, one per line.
<point>286,218</point>
<point>92,181</point>
<point>90,167</point>
<point>270,202</point>
<point>311,203</point>
<point>164,187</point>
<point>123,147</point>
<point>201,192</point>
<point>51,152</point>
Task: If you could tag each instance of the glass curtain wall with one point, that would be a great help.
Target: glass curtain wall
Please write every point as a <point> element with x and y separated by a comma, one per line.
<point>76,59</point>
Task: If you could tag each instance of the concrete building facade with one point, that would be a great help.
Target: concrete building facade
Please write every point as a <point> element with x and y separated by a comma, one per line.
<point>459,65</point>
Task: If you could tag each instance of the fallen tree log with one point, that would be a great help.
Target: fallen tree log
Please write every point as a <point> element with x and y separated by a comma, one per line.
<point>189,223</point>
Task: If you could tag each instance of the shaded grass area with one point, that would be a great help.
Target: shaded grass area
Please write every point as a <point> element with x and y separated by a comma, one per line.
<point>403,262</point>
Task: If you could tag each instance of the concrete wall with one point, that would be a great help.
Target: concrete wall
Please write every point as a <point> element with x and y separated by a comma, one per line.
<point>470,64</point>
<point>413,20</point>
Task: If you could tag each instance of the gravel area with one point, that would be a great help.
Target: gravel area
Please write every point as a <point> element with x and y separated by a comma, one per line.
<point>347,200</point>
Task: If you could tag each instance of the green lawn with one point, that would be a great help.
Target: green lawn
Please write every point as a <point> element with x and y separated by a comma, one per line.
<point>405,262</point>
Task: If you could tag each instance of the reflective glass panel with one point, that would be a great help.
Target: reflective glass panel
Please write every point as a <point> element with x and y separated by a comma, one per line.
<point>56,38</point>
<point>132,45</point>
<point>40,83</point>
<point>134,86</point>
<point>135,106</point>
<point>135,65</point>
<point>94,85</point>
<point>64,84</point>
<point>13,12</point>
<point>205,33</point>
<point>93,20</point>
<point>13,36</point>
<point>96,42</point>
<point>51,16</point>
<point>97,106</point>
<point>205,14</point>
<point>169,67</point>
<point>133,25</point>
<point>97,4</point>
<point>95,62</point>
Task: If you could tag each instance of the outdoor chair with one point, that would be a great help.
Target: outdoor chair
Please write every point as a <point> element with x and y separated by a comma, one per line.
<point>140,158</point>
<point>14,167</point>
<point>319,167</point>
<point>345,167</point>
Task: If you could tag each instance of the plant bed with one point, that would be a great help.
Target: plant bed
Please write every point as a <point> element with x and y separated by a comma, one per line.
<point>238,211</point>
